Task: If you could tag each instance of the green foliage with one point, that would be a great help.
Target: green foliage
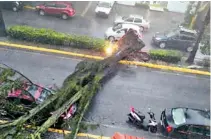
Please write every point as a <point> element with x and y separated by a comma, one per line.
<point>48,36</point>
<point>143,5</point>
<point>171,56</point>
<point>205,49</point>
<point>189,14</point>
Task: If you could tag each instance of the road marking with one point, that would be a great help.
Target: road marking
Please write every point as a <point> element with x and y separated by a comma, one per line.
<point>60,131</point>
<point>29,7</point>
<point>86,9</point>
<point>137,63</point>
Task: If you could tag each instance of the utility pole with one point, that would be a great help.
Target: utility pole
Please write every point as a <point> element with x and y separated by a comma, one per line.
<point>201,32</point>
<point>3,32</point>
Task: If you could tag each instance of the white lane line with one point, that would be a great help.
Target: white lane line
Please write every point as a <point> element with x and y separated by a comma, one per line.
<point>86,9</point>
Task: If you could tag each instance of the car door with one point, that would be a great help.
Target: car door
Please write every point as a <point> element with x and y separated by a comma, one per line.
<point>60,8</point>
<point>7,5</point>
<point>173,41</point>
<point>181,132</point>
<point>50,8</point>
<point>120,33</point>
<point>184,42</point>
<point>138,21</point>
<point>129,20</point>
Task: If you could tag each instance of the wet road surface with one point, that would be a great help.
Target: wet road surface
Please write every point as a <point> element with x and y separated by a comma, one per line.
<point>134,86</point>
<point>91,25</point>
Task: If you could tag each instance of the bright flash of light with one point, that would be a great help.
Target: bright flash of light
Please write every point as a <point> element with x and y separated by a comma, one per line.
<point>109,50</point>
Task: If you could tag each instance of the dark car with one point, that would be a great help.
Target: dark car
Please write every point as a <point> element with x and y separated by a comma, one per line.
<point>63,9</point>
<point>185,123</point>
<point>12,5</point>
<point>179,38</point>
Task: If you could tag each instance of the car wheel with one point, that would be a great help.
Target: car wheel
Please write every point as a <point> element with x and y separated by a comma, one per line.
<point>111,39</point>
<point>142,29</point>
<point>189,49</point>
<point>162,45</point>
<point>15,9</point>
<point>64,16</point>
<point>41,12</point>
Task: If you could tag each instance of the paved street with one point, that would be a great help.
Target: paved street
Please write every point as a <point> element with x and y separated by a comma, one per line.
<point>86,23</point>
<point>133,86</point>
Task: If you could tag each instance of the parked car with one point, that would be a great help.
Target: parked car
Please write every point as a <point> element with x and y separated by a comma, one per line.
<point>104,8</point>
<point>117,31</point>
<point>185,123</point>
<point>63,9</point>
<point>12,5</point>
<point>134,19</point>
<point>31,94</point>
<point>179,38</point>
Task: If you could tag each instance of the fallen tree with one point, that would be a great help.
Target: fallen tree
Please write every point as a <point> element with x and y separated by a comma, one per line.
<point>80,87</point>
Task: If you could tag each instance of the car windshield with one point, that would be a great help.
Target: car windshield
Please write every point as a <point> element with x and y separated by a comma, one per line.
<point>104,4</point>
<point>125,17</point>
<point>178,116</point>
<point>117,27</point>
<point>171,33</point>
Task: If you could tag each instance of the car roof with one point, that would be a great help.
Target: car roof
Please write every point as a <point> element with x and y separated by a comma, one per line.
<point>136,16</point>
<point>187,30</point>
<point>130,26</point>
<point>106,1</point>
<point>61,2</point>
<point>196,116</point>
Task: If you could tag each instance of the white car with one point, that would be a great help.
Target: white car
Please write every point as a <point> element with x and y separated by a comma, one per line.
<point>104,7</point>
<point>117,31</point>
<point>133,19</point>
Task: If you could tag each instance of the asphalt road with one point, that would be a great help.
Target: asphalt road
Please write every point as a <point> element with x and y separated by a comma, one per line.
<point>134,86</point>
<point>86,23</point>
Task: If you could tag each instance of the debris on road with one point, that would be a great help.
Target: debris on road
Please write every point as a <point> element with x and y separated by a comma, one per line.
<point>79,87</point>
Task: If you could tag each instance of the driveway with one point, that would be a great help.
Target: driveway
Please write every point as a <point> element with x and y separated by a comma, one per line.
<point>86,23</point>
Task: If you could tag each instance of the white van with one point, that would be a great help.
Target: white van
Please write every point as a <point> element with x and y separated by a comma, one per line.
<point>117,31</point>
<point>104,7</point>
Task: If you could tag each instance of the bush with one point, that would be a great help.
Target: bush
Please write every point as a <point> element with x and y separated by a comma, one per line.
<point>48,36</point>
<point>170,56</point>
<point>142,5</point>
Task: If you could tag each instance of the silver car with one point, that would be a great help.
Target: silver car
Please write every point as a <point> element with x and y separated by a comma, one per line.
<point>133,19</point>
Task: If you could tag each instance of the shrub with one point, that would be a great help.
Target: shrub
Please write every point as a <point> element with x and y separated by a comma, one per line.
<point>142,5</point>
<point>48,36</point>
<point>170,56</point>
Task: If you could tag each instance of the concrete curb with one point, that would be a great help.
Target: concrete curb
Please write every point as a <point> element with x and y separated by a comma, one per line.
<point>60,131</point>
<point>149,65</point>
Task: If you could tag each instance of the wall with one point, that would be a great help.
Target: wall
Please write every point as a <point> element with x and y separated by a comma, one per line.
<point>177,6</point>
<point>131,3</point>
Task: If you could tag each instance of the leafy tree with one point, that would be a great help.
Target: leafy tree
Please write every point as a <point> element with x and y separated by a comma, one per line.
<point>81,86</point>
<point>205,49</point>
<point>189,14</point>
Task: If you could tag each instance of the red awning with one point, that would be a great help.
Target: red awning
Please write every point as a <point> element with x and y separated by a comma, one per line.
<point>123,136</point>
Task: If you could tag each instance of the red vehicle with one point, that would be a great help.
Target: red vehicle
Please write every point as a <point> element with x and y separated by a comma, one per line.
<point>32,93</point>
<point>62,9</point>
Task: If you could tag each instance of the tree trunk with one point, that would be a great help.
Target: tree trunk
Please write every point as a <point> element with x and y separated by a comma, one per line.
<point>3,32</point>
<point>83,84</point>
<point>195,48</point>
